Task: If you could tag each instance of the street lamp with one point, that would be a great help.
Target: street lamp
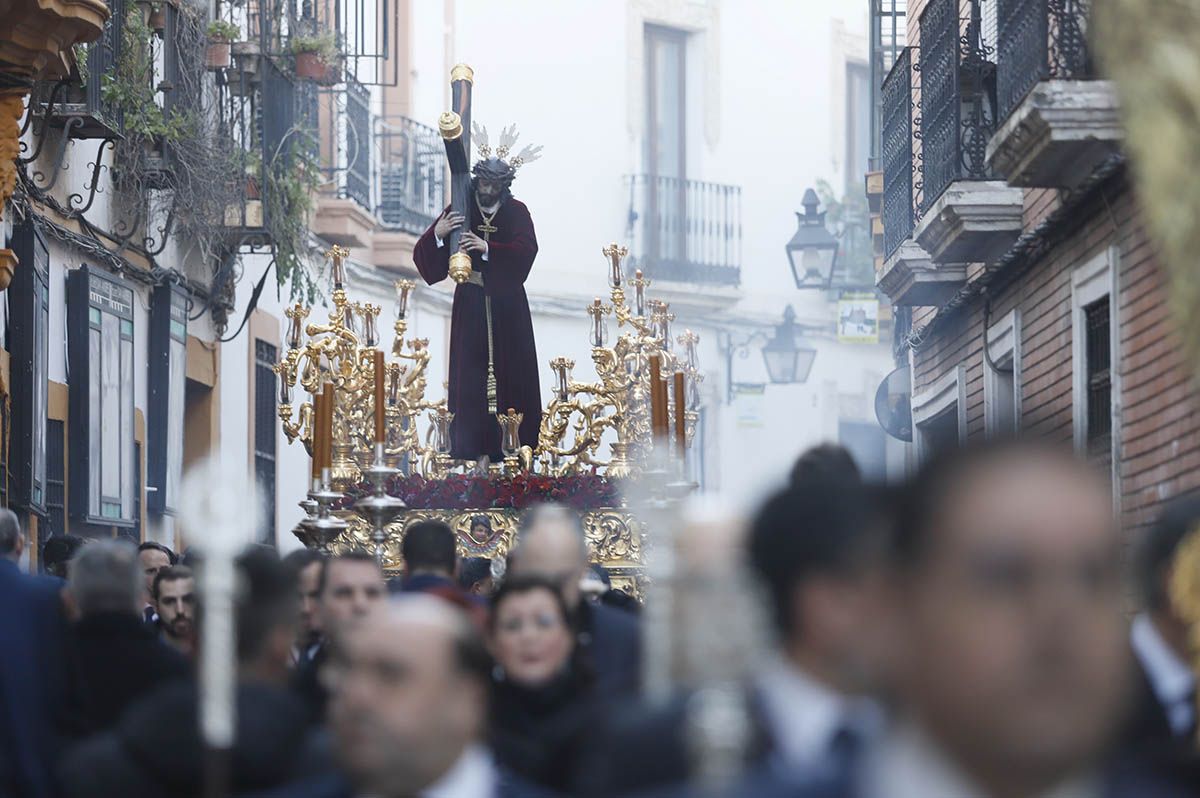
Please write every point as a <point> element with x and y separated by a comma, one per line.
<point>787,356</point>
<point>788,360</point>
<point>813,249</point>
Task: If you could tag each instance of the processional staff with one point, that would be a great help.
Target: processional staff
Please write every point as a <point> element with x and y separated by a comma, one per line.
<point>219,511</point>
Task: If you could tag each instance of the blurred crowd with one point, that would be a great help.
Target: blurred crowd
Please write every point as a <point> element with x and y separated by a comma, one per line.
<point>986,630</point>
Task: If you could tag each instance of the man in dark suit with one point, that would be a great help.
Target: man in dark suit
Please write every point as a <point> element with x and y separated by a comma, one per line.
<point>430,558</point>
<point>350,586</point>
<point>1164,714</point>
<point>421,733</point>
<point>551,544</point>
<point>32,655</point>
<point>115,657</point>
<point>1010,657</point>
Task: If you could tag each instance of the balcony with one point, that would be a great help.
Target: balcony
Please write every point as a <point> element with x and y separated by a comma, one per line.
<point>1057,122</point>
<point>907,275</point>
<point>968,215</point>
<point>412,172</point>
<point>344,213</point>
<point>685,231</point>
<point>81,109</point>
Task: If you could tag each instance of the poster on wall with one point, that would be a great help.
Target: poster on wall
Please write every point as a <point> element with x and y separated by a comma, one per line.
<point>858,318</point>
<point>748,403</point>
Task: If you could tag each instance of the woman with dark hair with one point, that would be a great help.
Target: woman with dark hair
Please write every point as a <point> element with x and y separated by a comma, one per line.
<point>542,702</point>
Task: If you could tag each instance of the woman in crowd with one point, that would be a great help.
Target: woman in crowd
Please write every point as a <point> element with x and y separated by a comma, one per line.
<point>541,689</point>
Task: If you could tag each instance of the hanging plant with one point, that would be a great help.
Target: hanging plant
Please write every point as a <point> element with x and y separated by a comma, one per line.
<point>291,180</point>
<point>316,56</point>
<point>220,35</point>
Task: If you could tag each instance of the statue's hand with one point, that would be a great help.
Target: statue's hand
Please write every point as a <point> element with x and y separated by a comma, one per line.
<point>447,223</point>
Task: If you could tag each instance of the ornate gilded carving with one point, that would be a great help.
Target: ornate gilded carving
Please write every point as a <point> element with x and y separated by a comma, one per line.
<point>614,537</point>
<point>11,108</point>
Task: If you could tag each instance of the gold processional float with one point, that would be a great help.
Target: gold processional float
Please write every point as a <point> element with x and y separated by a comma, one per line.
<point>374,472</point>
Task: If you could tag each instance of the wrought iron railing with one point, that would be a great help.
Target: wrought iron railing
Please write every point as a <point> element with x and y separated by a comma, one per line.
<point>357,183</point>
<point>1039,40</point>
<point>685,230</point>
<point>896,151</point>
<point>957,97</point>
<point>411,172</point>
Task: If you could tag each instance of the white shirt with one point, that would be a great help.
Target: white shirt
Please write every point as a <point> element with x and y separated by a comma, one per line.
<point>804,715</point>
<point>908,765</point>
<point>472,776</point>
<point>1170,677</point>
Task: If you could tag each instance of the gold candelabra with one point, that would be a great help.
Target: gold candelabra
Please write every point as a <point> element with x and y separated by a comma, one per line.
<point>342,352</point>
<point>617,408</point>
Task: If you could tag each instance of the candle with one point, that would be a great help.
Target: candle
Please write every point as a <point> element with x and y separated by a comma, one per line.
<point>327,427</point>
<point>318,418</point>
<point>656,407</point>
<point>664,426</point>
<point>680,416</point>
<point>379,420</point>
<point>639,294</point>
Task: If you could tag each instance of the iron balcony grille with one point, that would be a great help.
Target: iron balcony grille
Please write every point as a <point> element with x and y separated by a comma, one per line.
<point>957,98</point>
<point>357,185</point>
<point>685,230</point>
<point>410,160</point>
<point>1039,40</point>
<point>897,154</point>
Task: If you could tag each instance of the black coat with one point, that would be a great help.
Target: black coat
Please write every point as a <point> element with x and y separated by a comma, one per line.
<point>610,641</point>
<point>116,659</point>
<point>306,685</point>
<point>155,751</point>
<point>542,734</point>
<point>32,656</point>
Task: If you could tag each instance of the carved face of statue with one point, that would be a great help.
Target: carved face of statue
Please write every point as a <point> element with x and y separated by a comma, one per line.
<point>488,191</point>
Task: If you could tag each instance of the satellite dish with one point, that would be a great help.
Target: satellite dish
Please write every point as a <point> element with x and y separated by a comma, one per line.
<point>893,404</point>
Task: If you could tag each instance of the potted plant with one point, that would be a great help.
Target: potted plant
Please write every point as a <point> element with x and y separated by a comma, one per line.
<point>158,18</point>
<point>220,36</point>
<point>316,56</point>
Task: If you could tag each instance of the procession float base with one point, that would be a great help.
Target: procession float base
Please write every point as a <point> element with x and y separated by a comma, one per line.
<point>614,536</point>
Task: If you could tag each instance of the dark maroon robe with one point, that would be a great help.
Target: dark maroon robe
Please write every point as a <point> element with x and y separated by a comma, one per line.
<point>511,250</point>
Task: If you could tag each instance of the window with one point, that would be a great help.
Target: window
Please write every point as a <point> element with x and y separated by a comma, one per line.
<point>665,144</point>
<point>167,375</point>
<point>1098,380</point>
<point>940,416</point>
<point>858,125</point>
<point>29,320</point>
<point>1095,384</point>
<point>56,483</point>
<point>266,355</point>
<point>101,361</point>
<point>666,51</point>
<point>1002,376</point>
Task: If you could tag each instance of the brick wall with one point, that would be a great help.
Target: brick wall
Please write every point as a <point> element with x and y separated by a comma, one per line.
<point>1160,427</point>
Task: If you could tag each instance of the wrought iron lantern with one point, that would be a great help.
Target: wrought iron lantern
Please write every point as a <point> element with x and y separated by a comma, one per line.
<point>789,359</point>
<point>813,249</point>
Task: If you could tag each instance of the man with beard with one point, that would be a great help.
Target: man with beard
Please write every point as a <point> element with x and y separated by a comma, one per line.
<point>174,594</point>
<point>493,361</point>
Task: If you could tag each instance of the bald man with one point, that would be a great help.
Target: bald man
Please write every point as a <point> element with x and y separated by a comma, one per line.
<point>551,544</point>
<point>408,708</point>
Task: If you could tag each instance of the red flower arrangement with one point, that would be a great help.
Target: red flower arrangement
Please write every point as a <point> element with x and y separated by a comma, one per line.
<point>470,492</point>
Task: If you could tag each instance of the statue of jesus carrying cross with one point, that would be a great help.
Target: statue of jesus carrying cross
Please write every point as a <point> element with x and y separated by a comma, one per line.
<point>493,359</point>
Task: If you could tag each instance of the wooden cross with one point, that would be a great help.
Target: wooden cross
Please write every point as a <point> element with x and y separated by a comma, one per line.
<point>455,127</point>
